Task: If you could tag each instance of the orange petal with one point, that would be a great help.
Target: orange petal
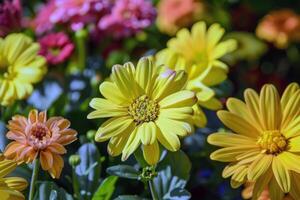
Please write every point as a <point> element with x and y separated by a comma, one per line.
<point>63,124</point>
<point>58,164</point>
<point>33,116</point>
<point>46,160</point>
<point>11,149</point>
<point>42,117</point>
<point>57,148</point>
<point>65,140</point>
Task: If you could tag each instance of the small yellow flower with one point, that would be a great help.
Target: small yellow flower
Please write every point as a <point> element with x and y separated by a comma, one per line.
<point>20,67</point>
<point>10,186</point>
<point>198,53</point>
<point>146,105</point>
<point>264,147</point>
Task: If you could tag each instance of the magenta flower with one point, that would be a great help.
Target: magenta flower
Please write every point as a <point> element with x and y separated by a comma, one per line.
<point>79,13</point>
<point>56,47</point>
<point>128,17</point>
<point>41,23</point>
<point>10,16</point>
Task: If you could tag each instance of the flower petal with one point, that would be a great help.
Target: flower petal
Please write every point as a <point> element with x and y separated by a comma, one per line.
<point>281,174</point>
<point>111,92</point>
<point>151,153</point>
<point>182,98</point>
<point>131,145</point>
<point>225,139</point>
<point>46,159</point>
<point>260,165</point>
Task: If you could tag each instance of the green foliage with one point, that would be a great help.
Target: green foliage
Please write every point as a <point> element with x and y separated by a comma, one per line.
<point>50,191</point>
<point>106,189</point>
<point>124,171</point>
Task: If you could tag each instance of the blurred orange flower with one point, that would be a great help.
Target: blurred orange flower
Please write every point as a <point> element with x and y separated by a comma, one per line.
<point>38,137</point>
<point>280,27</point>
<point>176,14</point>
<point>247,193</point>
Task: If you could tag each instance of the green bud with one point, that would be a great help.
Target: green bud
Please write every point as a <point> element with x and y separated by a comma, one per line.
<point>148,173</point>
<point>74,160</point>
<point>91,135</point>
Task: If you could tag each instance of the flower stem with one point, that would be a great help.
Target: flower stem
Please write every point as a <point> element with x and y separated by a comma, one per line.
<point>81,37</point>
<point>34,176</point>
<point>75,184</point>
<point>152,189</point>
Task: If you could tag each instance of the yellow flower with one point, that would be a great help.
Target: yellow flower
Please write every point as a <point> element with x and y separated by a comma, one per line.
<point>264,146</point>
<point>20,67</point>
<point>146,105</point>
<point>10,186</point>
<point>198,53</point>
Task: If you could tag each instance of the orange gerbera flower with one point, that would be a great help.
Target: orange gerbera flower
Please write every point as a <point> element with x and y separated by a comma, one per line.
<point>37,137</point>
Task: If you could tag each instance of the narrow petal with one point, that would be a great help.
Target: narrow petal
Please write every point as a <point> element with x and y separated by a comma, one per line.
<point>147,132</point>
<point>260,165</point>
<point>16,183</point>
<point>261,184</point>
<point>151,153</point>
<point>224,139</point>
<point>46,159</point>
<point>275,191</point>
<point>33,116</point>
<point>229,154</point>
<point>182,98</point>
<point>167,138</point>
<point>281,174</point>
<point>111,92</point>
<point>144,74</point>
<point>131,145</point>
<point>56,148</point>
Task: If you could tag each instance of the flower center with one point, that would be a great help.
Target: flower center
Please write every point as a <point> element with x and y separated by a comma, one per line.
<point>143,109</point>
<point>39,131</point>
<point>272,141</point>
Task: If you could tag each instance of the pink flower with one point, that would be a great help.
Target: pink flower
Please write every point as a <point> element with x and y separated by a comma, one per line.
<point>56,47</point>
<point>78,13</point>
<point>128,17</point>
<point>41,22</point>
<point>10,16</point>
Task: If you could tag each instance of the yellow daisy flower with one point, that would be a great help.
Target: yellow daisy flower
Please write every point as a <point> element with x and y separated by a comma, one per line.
<point>20,67</point>
<point>264,147</point>
<point>10,186</point>
<point>198,53</point>
<point>146,105</point>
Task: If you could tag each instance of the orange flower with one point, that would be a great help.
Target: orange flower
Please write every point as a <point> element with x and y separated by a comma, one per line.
<point>265,195</point>
<point>280,27</point>
<point>38,137</point>
<point>176,14</point>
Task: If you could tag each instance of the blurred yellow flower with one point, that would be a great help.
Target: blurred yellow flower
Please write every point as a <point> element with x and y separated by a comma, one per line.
<point>198,53</point>
<point>11,187</point>
<point>20,67</point>
<point>264,147</point>
<point>280,27</point>
<point>146,105</point>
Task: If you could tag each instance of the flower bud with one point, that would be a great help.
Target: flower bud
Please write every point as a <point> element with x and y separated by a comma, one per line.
<point>74,160</point>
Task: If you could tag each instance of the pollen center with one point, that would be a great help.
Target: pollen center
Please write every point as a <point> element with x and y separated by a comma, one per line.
<point>272,141</point>
<point>143,109</point>
<point>39,131</point>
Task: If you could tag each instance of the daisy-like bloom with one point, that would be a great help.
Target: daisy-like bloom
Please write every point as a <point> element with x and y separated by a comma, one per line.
<point>127,17</point>
<point>10,16</point>
<point>11,187</point>
<point>247,193</point>
<point>39,138</point>
<point>198,53</point>
<point>146,105</point>
<point>20,66</point>
<point>56,47</point>
<point>264,144</point>
<point>280,27</point>
<point>176,14</point>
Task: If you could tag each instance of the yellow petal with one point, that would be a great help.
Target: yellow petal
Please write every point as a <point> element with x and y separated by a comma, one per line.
<point>182,113</point>
<point>145,74</point>
<point>131,145</point>
<point>151,153</point>
<point>105,108</point>
<point>281,174</point>
<point>290,160</point>
<point>16,183</point>
<point>295,187</point>
<point>275,191</point>
<point>182,98</point>
<point>260,165</point>
<point>238,124</point>
<point>261,184</point>
<point>229,154</point>
<point>291,110</point>
<point>239,177</point>
<point>214,35</point>
<point>292,129</point>
<point>224,139</point>
<point>270,107</point>
<point>199,118</point>
<point>111,92</point>
<point>223,48</point>
<point>117,143</point>
<point>167,138</point>
<point>288,93</point>
<point>147,133</point>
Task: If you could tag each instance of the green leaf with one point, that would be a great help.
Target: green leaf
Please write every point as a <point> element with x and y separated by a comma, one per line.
<point>124,171</point>
<point>173,174</point>
<point>106,189</point>
<point>50,191</point>
<point>129,197</point>
<point>88,171</point>
<point>138,154</point>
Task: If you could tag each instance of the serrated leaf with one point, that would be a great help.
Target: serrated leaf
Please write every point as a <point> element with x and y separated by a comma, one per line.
<point>124,171</point>
<point>106,189</point>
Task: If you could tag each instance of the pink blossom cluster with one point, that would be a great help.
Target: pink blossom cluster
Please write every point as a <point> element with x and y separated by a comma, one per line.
<point>10,16</point>
<point>119,18</point>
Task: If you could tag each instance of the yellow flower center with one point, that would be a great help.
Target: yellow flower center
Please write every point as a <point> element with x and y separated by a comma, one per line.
<point>39,131</point>
<point>143,109</point>
<point>272,141</point>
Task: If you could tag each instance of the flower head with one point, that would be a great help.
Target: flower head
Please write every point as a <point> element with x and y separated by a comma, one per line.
<point>39,138</point>
<point>146,105</point>
<point>176,14</point>
<point>280,27</point>
<point>198,52</point>
<point>128,17</point>
<point>79,13</point>
<point>56,47</point>
<point>11,187</point>
<point>264,145</point>
<point>10,16</point>
<point>20,66</point>
<point>41,23</point>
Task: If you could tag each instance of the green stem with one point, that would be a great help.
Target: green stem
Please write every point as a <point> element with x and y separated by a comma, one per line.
<point>75,184</point>
<point>153,191</point>
<point>81,37</point>
<point>34,176</point>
